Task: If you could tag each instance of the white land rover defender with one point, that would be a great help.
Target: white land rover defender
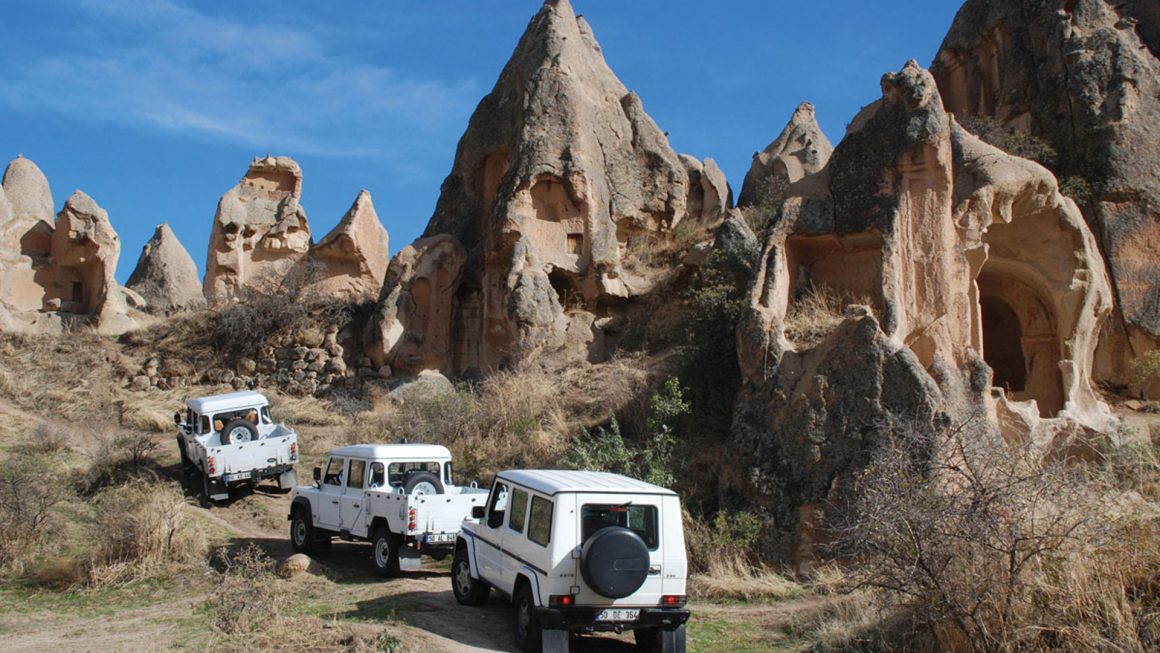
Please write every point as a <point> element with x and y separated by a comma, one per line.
<point>230,439</point>
<point>399,497</point>
<point>578,551</point>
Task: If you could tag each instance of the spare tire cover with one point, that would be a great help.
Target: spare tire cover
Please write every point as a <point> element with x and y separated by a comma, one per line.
<point>614,562</point>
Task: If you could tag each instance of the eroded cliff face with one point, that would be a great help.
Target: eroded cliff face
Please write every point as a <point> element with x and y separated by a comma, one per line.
<point>260,232</point>
<point>947,253</point>
<point>559,176</point>
<point>1084,75</point>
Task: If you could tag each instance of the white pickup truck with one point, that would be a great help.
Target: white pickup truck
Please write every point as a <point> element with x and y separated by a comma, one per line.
<point>399,497</point>
<point>230,439</point>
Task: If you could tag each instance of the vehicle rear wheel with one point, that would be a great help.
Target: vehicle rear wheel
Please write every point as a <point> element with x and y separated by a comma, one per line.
<point>529,636</point>
<point>302,531</point>
<point>239,431</point>
<point>422,483</point>
<point>467,590</point>
<point>385,552</point>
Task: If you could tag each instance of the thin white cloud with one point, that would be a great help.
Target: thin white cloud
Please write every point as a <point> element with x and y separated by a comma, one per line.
<point>166,66</point>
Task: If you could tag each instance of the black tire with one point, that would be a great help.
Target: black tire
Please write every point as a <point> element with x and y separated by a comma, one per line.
<point>302,536</point>
<point>467,590</point>
<point>614,562</point>
<point>648,640</point>
<point>422,483</point>
<point>207,487</point>
<point>239,431</point>
<point>187,466</point>
<point>385,552</point>
<point>529,635</point>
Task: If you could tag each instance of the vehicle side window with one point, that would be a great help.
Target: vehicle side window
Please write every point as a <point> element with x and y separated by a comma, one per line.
<point>333,475</point>
<point>204,424</point>
<point>447,473</point>
<point>266,419</point>
<point>497,505</point>
<point>378,475</point>
<point>358,470</point>
<point>519,511</point>
<point>540,523</point>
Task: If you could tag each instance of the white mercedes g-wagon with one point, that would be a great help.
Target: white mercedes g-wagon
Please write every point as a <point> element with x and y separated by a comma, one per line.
<point>578,552</point>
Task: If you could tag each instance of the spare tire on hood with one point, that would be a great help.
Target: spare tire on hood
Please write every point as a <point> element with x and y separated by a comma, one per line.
<point>614,562</point>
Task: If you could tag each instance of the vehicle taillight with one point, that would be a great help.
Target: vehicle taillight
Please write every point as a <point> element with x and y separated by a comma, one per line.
<point>212,467</point>
<point>293,451</point>
<point>413,516</point>
<point>674,600</point>
<point>561,600</point>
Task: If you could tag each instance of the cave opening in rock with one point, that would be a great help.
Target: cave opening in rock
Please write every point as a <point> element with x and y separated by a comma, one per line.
<point>1003,344</point>
<point>566,291</point>
<point>1020,336</point>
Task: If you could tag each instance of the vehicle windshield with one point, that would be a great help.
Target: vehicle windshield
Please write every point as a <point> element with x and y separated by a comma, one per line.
<point>641,520</point>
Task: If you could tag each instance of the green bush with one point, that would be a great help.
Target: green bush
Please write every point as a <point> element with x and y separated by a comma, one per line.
<point>1010,139</point>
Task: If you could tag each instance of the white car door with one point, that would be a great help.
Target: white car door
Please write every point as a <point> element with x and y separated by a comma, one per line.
<point>514,541</point>
<point>488,558</point>
<point>353,501</point>
<point>330,494</point>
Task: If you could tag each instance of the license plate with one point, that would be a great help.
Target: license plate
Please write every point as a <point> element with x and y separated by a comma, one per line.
<point>618,614</point>
<point>240,476</point>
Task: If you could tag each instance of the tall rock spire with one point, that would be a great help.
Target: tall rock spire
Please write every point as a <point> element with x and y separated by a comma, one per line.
<point>560,171</point>
<point>166,276</point>
<point>801,149</point>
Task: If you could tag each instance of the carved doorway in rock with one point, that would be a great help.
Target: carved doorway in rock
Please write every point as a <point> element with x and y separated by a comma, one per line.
<point>1020,336</point>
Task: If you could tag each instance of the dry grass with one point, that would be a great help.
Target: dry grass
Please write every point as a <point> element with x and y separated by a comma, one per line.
<point>734,577</point>
<point>816,313</point>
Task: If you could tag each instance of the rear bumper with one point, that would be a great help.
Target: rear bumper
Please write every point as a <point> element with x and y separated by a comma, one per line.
<point>582,618</point>
<point>256,474</point>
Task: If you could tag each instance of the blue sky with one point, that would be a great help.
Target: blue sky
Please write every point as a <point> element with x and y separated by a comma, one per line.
<point>155,107</point>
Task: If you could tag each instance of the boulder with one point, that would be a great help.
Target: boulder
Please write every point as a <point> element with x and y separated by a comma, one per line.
<point>559,176</point>
<point>1085,78</point>
<point>260,232</point>
<point>350,262</point>
<point>166,276</point>
<point>800,150</point>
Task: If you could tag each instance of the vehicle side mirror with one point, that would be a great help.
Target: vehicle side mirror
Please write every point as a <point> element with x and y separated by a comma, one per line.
<point>477,512</point>
<point>317,474</point>
<point>177,418</point>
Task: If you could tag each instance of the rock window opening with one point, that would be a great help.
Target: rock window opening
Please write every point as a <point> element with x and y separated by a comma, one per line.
<point>1003,344</point>
<point>575,243</point>
<point>78,292</point>
<point>566,292</point>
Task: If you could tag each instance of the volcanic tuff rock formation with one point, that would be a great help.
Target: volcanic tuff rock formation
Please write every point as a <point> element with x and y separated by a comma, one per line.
<point>801,149</point>
<point>29,226</point>
<point>260,232</point>
<point>1085,76</point>
<point>84,252</point>
<point>963,253</point>
<point>709,197</point>
<point>166,276</point>
<point>350,263</point>
<point>559,173</point>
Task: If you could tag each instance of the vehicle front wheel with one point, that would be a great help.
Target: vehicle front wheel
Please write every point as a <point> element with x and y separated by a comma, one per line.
<point>529,635</point>
<point>385,552</point>
<point>302,531</point>
<point>467,590</point>
<point>187,466</point>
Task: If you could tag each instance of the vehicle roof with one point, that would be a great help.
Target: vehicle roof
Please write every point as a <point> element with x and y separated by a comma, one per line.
<point>553,481</point>
<point>393,451</point>
<point>228,401</point>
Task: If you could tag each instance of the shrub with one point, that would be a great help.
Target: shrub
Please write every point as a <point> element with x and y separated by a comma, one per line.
<point>990,547</point>
<point>32,486</point>
<point>49,438</point>
<point>137,529</point>
<point>1077,188</point>
<point>817,312</point>
<point>248,595</point>
<point>1010,139</point>
<point>1146,368</point>
<point>243,327</point>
